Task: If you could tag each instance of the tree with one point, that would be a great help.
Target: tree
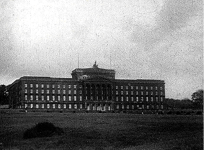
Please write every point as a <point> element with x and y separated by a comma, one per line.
<point>3,95</point>
<point>197,98</point>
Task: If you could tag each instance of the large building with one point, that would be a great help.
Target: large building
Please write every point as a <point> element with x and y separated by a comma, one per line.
<point>89,89</point>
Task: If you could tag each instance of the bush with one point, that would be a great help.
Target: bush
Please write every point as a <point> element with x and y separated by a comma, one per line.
<point>43,129</point>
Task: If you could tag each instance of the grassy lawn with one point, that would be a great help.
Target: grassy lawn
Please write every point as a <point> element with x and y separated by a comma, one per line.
<point>104,131</point>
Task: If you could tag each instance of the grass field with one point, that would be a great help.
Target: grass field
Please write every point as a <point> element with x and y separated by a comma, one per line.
<point>104,131</point>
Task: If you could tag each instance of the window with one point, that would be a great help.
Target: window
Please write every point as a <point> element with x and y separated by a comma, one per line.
<point>70,98</point>
<point>26,85</point>
<point>42,105</point>
<point>63,86</point>
<point>137,99</point>
<point>58,86</point>
<point>136,92</point>
<point>132,99</point>
<point>141,87</point>
<point>151,93</point>
<point>121,87</point>
<point>121,98</point>
<point>126,92</point>
<point>126,87</point>
<point>31,105</point>
<point>70,106</point>
<point>156,93</point>
<point>117,106</point>
<point>161,88</point>
<point>142,99</point>
<point>53,91</point>
<point>121,92</point>
<point>80,92</point>
<point>48,105</point>
<point>80,106</point>
<point>31,97</point>
<point>147,106</point>
<point>116,98</point>
<point>126,98</point>
<point>47,91</point>
<point>152,99</point>
<point>75,106</point>
<point>147,99</point>
<point>146,87</point>
<point>146,93</point>
<point>53,106</point>
<point>31,91</point>
<point>64,98</point>
<point>58,98</point>
<point>36,97</point>
<point>75,92</point>
<point>69,91</point>
<point>127,106</point>
<point>161,93</point>
<point>37,106</point>
<point>131,87</point>
<point>156,88</point>
<point>26,91</point>
<point>42,86</point>
<point>53,98</point>
<point>156,99</point>
<point>59,106</point>
<point>69,86</point>
<point>75,86</point>
<point>64,92</point>
<point>64,105</point>
<point>48,85</point>
<point>122,106</point>
<point>80,98</point>
<point>116,92</point>
<point>42,97</point>
<point>37,91</point>
<point>26,97</point>
<point>141,92</point>
<point>161,99</point>
<point>131,92</point>
<point>53,86</point>
<point>42,91</point>
<point>162,107</point>
<point>137,87</point>
<point>116,87</point>
<point>31,85</point>
<point>58,91</point>
<point>133,107</point>
<point>48,98</point>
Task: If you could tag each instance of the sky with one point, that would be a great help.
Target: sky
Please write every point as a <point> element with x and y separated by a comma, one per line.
<point>140,39</point>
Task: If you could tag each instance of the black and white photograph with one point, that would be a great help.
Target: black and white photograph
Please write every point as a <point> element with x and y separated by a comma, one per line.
<point>101,75</point>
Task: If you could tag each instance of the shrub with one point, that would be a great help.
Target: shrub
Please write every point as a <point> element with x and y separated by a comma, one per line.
<point>43,129</point>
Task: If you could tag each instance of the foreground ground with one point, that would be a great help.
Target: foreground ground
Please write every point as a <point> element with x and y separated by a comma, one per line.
<point>104,131</point>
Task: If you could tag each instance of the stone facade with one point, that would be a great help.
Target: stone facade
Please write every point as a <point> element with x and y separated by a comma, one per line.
<point>90,89</point>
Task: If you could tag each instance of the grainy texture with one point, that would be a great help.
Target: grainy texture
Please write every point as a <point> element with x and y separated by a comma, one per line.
<point>104,131</point>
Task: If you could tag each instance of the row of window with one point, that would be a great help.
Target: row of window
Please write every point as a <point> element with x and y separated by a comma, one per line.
<point>54,106</point>
<point>141,93</point>
<point>70,86</point>
<point>74,98</point>
<point>147,99</point>
<point>53,98</point>
<point>80,92</point>
<point>80,106</point>
<point>48,85</point>
<point>139,87</point>
<point>53,91</point>
<point>139,107</point>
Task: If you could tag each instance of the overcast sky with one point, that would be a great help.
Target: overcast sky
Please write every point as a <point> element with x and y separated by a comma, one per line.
<point>140,39</point>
